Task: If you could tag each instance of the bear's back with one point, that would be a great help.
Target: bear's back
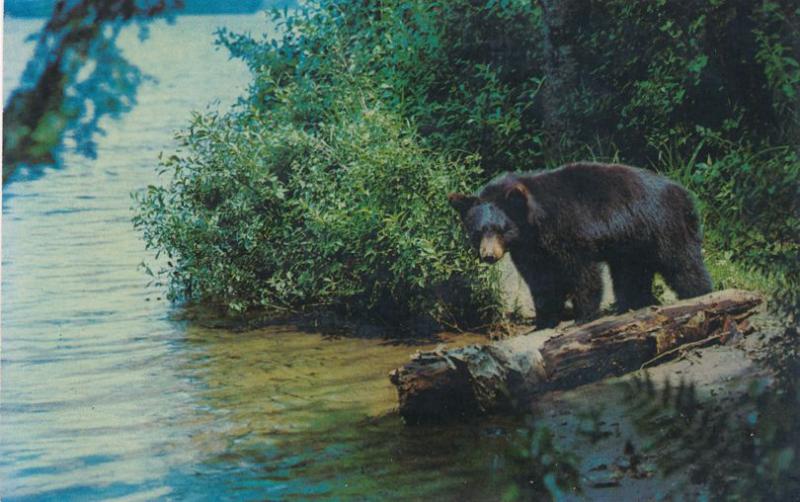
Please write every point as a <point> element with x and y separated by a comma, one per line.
<point>594,202</point>
<point>592,186</point>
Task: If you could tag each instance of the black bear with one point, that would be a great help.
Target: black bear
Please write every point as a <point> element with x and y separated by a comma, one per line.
<point>560,225</point>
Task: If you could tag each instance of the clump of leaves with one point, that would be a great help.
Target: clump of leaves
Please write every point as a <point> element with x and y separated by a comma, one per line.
<point>546,472</point>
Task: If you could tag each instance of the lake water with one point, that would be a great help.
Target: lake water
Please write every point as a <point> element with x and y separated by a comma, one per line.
<point>108,394</point>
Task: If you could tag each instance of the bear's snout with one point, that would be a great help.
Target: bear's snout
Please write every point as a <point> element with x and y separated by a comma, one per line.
<point>491,249</point>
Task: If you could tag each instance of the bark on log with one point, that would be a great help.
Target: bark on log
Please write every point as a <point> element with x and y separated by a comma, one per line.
<point>500,376</point>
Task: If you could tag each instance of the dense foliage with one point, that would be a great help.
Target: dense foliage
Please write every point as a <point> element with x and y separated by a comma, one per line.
<point>751,203</point>
<point>705,91</point>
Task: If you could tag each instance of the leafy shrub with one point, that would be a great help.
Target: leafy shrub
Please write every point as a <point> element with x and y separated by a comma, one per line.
<point>650,73</point>
<point>351,216</point>
<point>751,205</point>
<point>466,72</point>
<point>704,79</point>
<point>752,202</point>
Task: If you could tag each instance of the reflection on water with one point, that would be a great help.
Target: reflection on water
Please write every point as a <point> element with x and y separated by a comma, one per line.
<point>288,413</point>
<point>106,395</point>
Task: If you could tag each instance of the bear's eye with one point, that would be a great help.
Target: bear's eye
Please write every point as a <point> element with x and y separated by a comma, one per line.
<point>510,232</point>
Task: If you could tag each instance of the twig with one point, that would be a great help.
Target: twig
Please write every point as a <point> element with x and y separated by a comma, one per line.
<point>693,345</point>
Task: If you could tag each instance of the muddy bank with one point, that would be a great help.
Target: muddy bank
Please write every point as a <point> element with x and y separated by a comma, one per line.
<point>595,421</point>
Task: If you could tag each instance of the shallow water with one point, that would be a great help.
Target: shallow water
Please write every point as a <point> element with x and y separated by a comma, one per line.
<point>106,394</point>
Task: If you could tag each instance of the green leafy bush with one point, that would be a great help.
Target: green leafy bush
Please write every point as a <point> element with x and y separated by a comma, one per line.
<point>466,72</point>
<point>714,80</point>
<point>351,216</point>
<point>750,201</point>
<point>752,204</point>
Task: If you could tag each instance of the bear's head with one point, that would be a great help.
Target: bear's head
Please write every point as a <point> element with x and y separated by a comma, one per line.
<point>493,219</point>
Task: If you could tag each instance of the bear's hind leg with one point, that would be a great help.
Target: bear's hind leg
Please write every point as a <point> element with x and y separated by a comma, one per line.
<point>633,285</point>
<point>687,275</point>
<point>588,293</point>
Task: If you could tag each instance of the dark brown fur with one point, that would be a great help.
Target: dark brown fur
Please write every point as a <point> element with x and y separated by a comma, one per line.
<point>560,225</point>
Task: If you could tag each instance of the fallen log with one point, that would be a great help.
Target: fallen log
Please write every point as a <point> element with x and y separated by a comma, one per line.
<point>503,375</point>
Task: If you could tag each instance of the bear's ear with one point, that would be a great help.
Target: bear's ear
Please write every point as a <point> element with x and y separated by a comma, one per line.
<point>522,202</point>
<point>518,197</point>
<point>461,202</point>
<point>517,193</point>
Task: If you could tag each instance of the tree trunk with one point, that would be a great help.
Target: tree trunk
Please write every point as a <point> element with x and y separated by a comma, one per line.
<point>481,379</point>
<point>561,67</point>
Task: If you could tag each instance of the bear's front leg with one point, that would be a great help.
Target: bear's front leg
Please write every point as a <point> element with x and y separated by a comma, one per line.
<point>548,291</point>
<point>587,293</point>
<point>549,307</point>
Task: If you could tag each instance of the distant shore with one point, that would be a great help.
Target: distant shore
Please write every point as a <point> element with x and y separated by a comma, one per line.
<point>44,8</point>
